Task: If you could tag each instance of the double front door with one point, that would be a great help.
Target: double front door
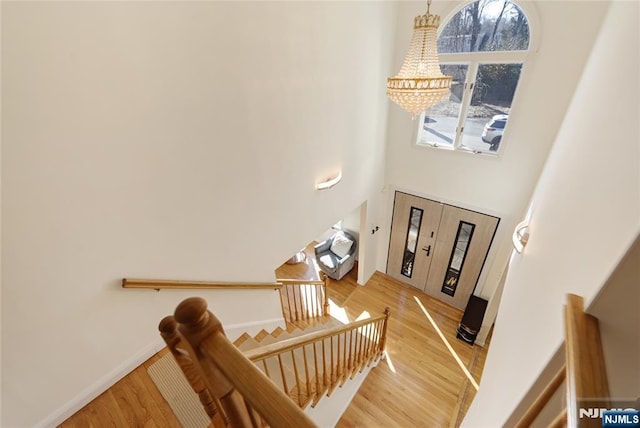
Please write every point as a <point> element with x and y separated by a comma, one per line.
<point>438,248</point>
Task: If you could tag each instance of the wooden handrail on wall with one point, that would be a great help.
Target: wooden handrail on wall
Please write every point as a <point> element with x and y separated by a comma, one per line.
<point>157,284</point>
<point>584,371</point>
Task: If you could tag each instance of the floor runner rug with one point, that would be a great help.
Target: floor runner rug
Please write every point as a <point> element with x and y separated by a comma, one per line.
<point>174,387</point>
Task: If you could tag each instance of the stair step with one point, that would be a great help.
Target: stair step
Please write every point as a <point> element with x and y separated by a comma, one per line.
<point>248,344</point>
<point>240,340</point>
<point>277,332</point>
<point>261,335</point>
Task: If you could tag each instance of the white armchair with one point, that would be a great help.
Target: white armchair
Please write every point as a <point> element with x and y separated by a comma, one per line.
<point>337,255</point>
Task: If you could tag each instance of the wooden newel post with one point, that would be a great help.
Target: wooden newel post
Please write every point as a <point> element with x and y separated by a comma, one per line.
<point>196,324</point>
<point>325,279</point>
<point>196,321</point>
<point>169,331</point>
<point>383,339</point>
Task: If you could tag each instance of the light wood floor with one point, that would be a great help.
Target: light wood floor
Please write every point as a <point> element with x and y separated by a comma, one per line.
<point>418,385</point>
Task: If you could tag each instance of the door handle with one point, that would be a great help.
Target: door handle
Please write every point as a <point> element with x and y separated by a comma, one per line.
<point>427,249</point>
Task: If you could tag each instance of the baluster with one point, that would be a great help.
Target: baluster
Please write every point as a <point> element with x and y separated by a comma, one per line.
<point>338,365</point>
<point>383,337</point>
<point>332,364</point>
<point>288,292</point>
<point>284,378</point>
<point>377,342</point>
<point>301,297</point>
<point>345,362</point>
<point>266,368</point>
<point>304,297</point>
<point>284,312</point>
<point>360,338</point>
<point>315,364</point>
<point>319,310</point>
<point>306,371</point>
<point>256,420</point>
<point>371,342</point>
<point>324,363</point>
<point>295,301</point>
<point>365,346</point>
<point>350,351</point>
<point>297,377</point>
<point>325,279</point>
<point>312,300</point>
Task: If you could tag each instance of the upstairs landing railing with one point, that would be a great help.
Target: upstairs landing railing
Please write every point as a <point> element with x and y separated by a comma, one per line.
<point>303,300</point>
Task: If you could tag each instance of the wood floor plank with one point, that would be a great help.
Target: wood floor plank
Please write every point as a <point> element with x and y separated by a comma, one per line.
<point>426,384</point>
<point>134,401</point>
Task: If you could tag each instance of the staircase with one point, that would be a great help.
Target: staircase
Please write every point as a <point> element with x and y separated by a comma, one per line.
<point>270,378</point>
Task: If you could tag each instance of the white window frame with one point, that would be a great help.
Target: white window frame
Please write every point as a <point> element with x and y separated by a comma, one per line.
<point>473,60</point>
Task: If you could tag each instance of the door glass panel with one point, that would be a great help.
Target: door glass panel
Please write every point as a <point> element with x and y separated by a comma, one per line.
<point>491,101</point>
<point>415,220</point>
<point>458,254</point>
<point>438,127</point>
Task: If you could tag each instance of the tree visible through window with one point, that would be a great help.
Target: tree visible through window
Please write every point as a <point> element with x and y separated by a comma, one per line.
<point>483,48</point>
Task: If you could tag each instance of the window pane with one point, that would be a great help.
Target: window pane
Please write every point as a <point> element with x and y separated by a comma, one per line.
<point>491,101</point>
<point>441,120</point>
<point>485,25</point>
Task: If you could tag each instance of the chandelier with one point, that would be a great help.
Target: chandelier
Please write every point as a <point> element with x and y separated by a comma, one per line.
<point>419,84</point>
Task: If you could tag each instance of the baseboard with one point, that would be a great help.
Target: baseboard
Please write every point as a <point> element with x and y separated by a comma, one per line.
<point>101,385</point>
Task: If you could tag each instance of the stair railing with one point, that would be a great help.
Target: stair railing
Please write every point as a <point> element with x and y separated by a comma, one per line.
<point>245,395</point>
<point>308,367</point>
<point>584,370</point>
<point>303,300</point>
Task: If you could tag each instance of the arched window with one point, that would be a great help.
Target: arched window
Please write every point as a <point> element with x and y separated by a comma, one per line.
<point>483,47</point>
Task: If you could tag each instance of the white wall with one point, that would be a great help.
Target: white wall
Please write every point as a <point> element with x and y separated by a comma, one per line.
<point>169,140</point>
<point>585,215</point>
<point>501,185</point>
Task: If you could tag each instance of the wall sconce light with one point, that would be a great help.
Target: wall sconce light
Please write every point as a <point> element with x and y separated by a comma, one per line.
<point>521,236</point>
<point>330,182</point>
